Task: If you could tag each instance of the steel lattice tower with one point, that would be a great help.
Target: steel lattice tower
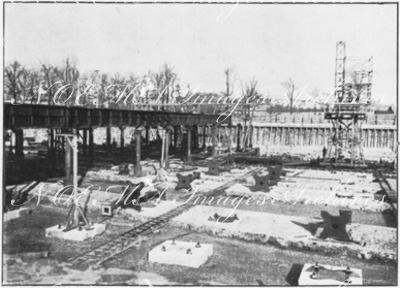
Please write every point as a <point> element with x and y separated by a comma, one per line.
<point>353,82</point>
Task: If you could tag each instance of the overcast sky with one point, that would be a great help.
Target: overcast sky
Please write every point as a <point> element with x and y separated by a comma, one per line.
<point>269,42</point>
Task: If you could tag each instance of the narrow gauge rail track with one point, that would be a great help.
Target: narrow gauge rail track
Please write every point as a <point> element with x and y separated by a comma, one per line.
<point>128,239</point>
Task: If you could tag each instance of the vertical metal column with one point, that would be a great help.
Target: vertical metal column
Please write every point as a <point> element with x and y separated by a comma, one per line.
<point>138,167</point>
<point>19,142</point>
<point>204,136</point>
<point>167,143</point>
<point>239,132</point>
<point>68,164</point>
<point>189,143</point>
<point>91,147</point>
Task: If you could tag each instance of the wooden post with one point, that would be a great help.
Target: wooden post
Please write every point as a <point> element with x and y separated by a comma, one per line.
<point>138,167</point>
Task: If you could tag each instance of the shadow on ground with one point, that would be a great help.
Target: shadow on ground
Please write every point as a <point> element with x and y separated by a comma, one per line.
<point>294,273</point>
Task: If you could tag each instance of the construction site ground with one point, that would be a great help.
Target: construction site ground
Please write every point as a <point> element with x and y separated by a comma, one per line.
<point>235,261</point>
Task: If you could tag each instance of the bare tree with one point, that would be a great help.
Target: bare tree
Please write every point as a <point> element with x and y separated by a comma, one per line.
<point>12,81</point>
<point>164,82</point>
<point>69,75</point>
<point>290,88</point>
<point>34,84</point>
<point>50,76</point>
<point>315,92</point>
<point>117,85</point>
<point>229,83</point>
<point>251,94</point>
<point>132,83</point>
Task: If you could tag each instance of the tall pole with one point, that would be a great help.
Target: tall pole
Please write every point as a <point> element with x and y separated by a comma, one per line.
<point>75,162</point>
<point>189,143</point>
<point>138,168</point>
<point>162,149</point>
<point>167,141</point>
<point>68,158</point>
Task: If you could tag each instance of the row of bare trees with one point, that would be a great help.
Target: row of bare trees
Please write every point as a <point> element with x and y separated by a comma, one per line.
<point>22,84</point>
<point>38,86</point>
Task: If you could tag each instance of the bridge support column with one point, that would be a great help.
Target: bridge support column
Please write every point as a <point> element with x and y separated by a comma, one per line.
<point>238,135</point>
<point>138,167</point>
<point>393,141</point>
<point>122,129</point>
<point>214,135</point>
<point>19,142</point>
<point>189,143</point>
<point>176,128</point>
<point>10,136</point>
<point>68,164</point>
<point>85,140</point>
<point>195,137</point>
<point>204,136</point>
<point>51,140</point>
<point>62,142</point>
<point>167,143</point>
<point>229,139</point>
<point>251,136</point>
<point>108,138</point>
<point>91,147</point>
<point>147,141</point>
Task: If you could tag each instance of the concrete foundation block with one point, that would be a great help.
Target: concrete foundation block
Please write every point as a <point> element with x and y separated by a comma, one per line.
<point>15,214</point>
<point>329,276</point>
<point>181,253</point>
<point>74,234</point>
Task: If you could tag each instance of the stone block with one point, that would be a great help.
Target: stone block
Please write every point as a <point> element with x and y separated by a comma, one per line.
<point>74,234</point>
<point>326,275</point>
<point>190,254</point>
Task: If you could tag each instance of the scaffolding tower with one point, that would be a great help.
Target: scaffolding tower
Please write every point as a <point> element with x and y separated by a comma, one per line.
<point>353,83</point>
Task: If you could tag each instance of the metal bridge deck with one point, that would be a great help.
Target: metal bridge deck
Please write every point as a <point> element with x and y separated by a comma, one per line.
<point>44,116</point>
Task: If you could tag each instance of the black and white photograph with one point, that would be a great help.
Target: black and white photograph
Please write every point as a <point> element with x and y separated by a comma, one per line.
<point>199,143</point>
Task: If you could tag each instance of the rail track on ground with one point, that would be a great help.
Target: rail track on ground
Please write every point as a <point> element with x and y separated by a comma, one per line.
<point>131,239</point>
